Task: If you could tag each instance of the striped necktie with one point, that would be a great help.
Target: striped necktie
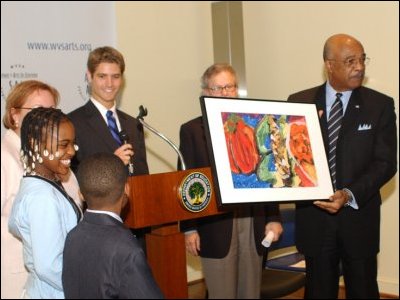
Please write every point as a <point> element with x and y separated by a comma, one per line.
<point>112,125</point>
<point>334,123</point>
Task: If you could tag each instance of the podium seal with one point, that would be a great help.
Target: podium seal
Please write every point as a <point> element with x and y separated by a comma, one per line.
<point>195,192</point>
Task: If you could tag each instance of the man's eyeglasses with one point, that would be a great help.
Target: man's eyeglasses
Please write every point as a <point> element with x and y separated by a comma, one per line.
<point>219,89</point>
<point>351,62</point>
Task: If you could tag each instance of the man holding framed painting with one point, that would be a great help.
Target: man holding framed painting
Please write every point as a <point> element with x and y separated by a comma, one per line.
<point>229,244</point>
<point>358,126</point>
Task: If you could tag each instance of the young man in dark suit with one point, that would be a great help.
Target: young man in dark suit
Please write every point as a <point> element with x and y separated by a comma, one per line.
<point>102,259</point>
<point>362,158</point>
<point>98,122</point>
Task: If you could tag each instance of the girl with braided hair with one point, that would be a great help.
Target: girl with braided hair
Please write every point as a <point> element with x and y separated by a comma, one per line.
<point>43,213</point>
<point>23,97</point>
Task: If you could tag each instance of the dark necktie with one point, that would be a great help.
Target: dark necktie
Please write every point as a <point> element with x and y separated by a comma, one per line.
<point>112,125</point>
<point>334,123</point>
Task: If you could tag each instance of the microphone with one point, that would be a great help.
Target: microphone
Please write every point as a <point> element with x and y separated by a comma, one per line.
<point>125,140</point>
<point>143,113</point>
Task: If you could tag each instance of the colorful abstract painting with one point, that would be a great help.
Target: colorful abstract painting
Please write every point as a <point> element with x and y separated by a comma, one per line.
<point>269,151</point>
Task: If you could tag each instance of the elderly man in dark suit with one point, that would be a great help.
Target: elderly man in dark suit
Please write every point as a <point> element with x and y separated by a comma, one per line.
<point>102,259</point>
<point>359,129</point>
<point>229,244</point>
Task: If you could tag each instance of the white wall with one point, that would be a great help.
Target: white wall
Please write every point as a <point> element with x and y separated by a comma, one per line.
<point>56,54</point>
<point>283,46</point>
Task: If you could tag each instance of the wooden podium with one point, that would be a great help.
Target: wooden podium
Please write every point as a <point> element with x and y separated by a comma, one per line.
<point>154,202</point>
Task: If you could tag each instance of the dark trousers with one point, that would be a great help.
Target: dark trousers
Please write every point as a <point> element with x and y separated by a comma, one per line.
<point>323,271</point>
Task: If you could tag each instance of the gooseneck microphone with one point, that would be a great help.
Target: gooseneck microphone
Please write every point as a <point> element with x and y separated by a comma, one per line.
<point>125,140</point>
<point>143,113</point>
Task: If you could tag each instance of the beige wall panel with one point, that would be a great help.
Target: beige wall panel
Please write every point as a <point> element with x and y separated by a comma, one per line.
<point>167,46</point>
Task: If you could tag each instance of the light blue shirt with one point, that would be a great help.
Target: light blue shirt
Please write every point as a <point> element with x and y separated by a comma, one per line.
<point>41,217</point>
<point>331,97</point>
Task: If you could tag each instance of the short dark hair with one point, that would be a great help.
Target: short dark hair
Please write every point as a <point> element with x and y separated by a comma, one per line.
<point>101,178</point>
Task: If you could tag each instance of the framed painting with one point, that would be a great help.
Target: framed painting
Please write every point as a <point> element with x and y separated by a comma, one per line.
<point>265,150</point>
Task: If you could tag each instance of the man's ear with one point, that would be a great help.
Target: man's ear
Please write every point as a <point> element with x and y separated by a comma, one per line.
<point>328,66</point>
<point>89,76</point>
<point>127,191</point>
<point>127,188</point>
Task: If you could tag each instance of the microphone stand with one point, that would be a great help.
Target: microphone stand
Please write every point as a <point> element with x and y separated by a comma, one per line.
<point>143,113</point>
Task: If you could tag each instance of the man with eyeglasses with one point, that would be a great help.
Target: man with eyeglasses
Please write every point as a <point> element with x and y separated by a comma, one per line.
<point>358,125</point>
<point>231,256</point>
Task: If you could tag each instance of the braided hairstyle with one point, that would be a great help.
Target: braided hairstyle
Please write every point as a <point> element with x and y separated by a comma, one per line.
<point>37,125</point>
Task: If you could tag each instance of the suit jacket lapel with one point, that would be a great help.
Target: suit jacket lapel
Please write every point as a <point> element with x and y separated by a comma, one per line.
<point>124,123</point>
<point>97,123</point>
<point>352,114</point>
<point>320,101</point>
<point>127,126</point>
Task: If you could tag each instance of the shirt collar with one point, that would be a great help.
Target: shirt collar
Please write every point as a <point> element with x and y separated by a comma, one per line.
<point>102,108</point>
<point>103,111</point>
<point>104,212</point>
<point>331,97</point>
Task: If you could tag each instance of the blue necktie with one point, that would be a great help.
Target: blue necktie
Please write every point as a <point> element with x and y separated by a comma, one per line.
<point>334,123</point>
<point>112,125</point>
